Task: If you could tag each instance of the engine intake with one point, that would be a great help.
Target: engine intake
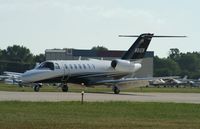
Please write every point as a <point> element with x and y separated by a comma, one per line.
<point>124,65</point>
<point>114,63</point>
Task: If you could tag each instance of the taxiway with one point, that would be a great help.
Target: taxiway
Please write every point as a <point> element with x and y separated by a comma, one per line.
<point>100,97</point>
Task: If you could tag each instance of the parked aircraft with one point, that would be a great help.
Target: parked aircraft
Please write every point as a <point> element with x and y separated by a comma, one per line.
<point>11,77</point>
<point>173,81</point>
<point>157,82</point>
<point>92,72</point>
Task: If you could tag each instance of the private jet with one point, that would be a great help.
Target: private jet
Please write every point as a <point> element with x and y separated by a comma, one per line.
<point>92,72</point>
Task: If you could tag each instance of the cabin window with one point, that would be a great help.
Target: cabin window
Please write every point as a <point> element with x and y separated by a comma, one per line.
<point>75,66</point>
<point>71,66</point>
<point>57,66</point>
<point>88,66</point>
<point>66,66</point>
<point>79,66</point>
<point>93,66</point>
<point>84,66</point>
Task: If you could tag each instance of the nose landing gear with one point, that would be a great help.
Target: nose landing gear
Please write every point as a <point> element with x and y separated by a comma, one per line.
<point>116,90</point>
<point>64,87</point>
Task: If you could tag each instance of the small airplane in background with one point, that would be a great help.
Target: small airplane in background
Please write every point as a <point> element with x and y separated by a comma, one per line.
<point>11,77</point>
<point>167,81</point>
<point>174,81</point>
<point>92,72</point>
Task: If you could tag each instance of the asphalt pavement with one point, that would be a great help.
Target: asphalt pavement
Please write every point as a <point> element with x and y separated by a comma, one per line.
<point>100,97</point>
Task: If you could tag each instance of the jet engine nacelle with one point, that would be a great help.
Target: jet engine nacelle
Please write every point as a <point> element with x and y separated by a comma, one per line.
<point>125,66</point>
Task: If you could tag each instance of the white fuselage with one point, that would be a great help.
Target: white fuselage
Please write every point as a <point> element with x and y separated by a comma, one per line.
<point>79,71</point>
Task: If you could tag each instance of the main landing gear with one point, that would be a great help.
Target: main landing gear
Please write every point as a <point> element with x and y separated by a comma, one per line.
<point>37,87</point>
<point>116,90</point>
<point>64,87</point>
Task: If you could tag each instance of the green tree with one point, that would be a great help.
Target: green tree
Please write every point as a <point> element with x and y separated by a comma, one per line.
<point>3,55</point>
<point>174,53</point>
<point>190,64</point>
<point>16,59</point>
<point>18,54</point>
<point>165,67</point>
<point>178,64</point>
<point>39,58</point>
<point>0,54</point>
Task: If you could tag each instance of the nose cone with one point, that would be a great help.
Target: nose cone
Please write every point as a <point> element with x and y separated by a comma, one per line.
<point>32,76</point>
<point>35,75</point>
<point>26,77</point>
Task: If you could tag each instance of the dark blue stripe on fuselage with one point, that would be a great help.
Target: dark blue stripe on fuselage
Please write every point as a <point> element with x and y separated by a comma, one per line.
<point>87,79</point>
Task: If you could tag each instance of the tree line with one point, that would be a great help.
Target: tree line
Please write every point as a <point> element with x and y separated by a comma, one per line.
<point>178,64</point>
<point>18,59</point>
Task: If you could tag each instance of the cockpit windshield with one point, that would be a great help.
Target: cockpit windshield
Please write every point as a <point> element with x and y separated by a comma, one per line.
<point>46,65</point>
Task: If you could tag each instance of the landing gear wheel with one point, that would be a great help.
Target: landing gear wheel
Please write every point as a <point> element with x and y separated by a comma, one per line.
<point>116,90</point>
<point>65,88</point>
<point>36,88</point>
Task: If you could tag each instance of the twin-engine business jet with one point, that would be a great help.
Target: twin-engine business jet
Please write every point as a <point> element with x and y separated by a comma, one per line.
<point>92,72</point>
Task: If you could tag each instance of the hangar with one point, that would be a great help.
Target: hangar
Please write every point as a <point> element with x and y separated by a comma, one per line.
<point>75,54</point>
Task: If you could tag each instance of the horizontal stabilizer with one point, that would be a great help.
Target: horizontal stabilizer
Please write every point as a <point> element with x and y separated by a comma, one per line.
<point>154,36</point>
<point>139,47</point>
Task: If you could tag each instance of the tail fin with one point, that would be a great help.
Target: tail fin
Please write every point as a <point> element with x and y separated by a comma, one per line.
<point>139,47</point>
<point>185,77</point>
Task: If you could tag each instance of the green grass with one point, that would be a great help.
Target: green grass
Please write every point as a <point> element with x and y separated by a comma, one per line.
<point>98,115</point>
<point>75,88</point>
<point>164,90</point>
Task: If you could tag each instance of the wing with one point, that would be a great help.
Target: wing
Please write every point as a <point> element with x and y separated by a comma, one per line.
<point>126,80</point>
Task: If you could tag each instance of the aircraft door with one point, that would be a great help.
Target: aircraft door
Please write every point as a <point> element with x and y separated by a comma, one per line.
<point>58,69</point>
<point>66,73</point>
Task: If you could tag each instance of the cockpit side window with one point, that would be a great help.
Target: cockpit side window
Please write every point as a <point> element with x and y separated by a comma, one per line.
<point>57,66</point>
<point>46,65</point>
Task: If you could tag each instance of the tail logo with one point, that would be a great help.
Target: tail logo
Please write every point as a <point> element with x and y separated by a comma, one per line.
<point>141,41</point>
<point>139,50</point>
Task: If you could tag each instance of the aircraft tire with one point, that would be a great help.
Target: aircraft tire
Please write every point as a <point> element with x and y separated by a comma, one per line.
<point>65,88</point>
<point>116,90</point>
<point>36,88</point>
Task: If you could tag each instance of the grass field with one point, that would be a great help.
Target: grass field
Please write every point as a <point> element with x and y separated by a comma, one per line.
<point>96,115</point>
<point>73,88</point>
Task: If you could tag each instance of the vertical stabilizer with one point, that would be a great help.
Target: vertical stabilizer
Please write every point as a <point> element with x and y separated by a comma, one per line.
<point>139,47</point>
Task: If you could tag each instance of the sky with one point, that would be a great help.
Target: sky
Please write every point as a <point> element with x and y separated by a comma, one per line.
<point>82,24</point>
